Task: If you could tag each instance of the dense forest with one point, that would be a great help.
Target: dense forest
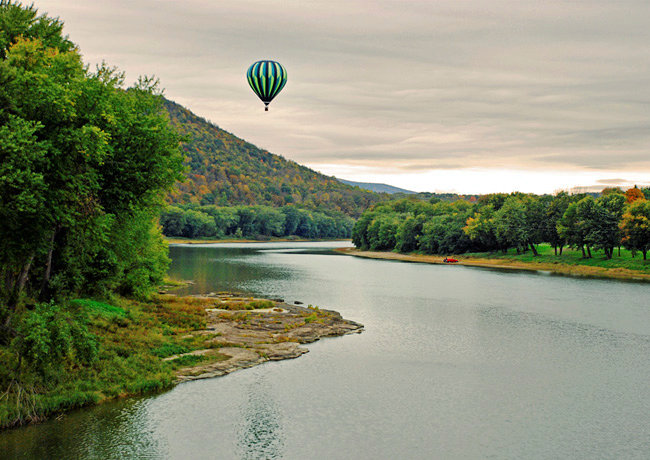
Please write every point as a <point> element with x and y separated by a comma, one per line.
<point>85,164</point>
<point>258,222</point>
<point>224,170</point>
<point>499,222</point>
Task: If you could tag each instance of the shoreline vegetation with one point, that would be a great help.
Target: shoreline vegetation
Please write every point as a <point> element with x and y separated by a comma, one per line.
<point>151,345</point>
<point>560,265</point>
<point>179,240</point>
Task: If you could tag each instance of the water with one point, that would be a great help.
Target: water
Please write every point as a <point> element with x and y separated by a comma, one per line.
<point>455,362</point>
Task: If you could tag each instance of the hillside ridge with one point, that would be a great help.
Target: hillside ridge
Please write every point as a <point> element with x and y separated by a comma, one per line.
<point>225,170</point>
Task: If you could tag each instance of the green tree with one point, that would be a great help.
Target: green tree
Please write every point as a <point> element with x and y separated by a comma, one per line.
<point>83,159</point>
<point>510,224</point>
<point>408,233</point>
<point>554,213</point>
<point>636,227</point>
<point>481,228</point>
<point>605,232</point>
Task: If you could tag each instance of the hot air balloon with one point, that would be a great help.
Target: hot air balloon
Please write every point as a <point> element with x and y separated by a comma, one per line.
<point>267,78</point>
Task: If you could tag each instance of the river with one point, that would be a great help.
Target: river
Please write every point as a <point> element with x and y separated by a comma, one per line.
<point>455,362</point>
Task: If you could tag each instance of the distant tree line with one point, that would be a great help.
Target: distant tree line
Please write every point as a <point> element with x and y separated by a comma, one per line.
<point>253,222</point>
<point>499,222</point>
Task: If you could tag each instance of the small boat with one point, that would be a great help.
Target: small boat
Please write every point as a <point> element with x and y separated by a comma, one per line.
<point>449,260</point>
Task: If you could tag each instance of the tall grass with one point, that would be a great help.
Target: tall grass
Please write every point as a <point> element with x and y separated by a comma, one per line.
<point>134,337</point>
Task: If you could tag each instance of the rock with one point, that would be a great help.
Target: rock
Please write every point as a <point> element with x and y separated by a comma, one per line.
<point>252,337</point>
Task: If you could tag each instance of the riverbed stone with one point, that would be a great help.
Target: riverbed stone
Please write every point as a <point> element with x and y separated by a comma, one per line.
<point>251,337</point>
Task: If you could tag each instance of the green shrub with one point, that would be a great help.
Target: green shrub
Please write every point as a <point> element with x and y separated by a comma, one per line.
<point>48,335</point>
<point>169,349</point>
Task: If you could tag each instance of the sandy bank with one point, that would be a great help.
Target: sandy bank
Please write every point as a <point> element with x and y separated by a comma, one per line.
<point>561,268</point>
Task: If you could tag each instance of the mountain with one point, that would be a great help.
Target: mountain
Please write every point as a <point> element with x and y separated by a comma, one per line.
<point>225,170</point>
<point>378,188</point>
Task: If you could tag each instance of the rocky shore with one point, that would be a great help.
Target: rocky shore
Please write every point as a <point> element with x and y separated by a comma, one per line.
<point>248,337</point>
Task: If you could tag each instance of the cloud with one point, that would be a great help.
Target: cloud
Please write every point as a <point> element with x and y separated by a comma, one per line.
<point>433,85</point>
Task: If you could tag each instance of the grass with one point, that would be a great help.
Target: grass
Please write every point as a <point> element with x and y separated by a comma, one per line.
<point>134,337</point>
<point>243,305</point>
<point>570,262</point>
<point>100,308</point>
<point>572,257</point>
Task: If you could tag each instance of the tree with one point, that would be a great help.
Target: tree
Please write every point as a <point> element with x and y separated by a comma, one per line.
<point>173,221</point>
<point>481,229</point>
<point>381,232</point>
<point>510,224</point>
<point>554,212</point>
<point>408,233</point>
<point>83,160</point>
<point>605,232</point>
<point>636,227</point>
<point>571,230</point>
<point>536,225</point>
<point>634,194</point>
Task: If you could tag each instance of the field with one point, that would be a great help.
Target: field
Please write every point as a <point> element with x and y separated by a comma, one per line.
<point>571,257</point>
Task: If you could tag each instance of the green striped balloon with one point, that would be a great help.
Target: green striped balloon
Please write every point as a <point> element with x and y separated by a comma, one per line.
<point>267,78</point>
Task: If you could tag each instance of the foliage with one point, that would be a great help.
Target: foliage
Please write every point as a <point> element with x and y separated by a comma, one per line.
<point>570,258</point>
<point>95,350</point>
<point>636,227</point>
<point>253,222</point>
<point>634,194</point>
<point>496,222</point>
<point>84,166</point>
<point>48,335</point>
<point>226,171</point>
<point>243,305</point>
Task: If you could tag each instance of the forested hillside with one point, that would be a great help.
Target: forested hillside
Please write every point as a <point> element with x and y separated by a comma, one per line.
<point>225,171</point>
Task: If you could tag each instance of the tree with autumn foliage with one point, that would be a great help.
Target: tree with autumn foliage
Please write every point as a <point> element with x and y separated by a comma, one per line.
<point>636,227</point>
<point>633,194</point>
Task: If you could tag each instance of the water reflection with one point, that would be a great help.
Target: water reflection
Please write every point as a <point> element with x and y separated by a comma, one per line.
<point>114,430</point>
<point>260,434</point>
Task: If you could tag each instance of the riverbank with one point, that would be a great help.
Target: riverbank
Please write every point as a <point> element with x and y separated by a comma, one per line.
<point>178,240</point>
<point>248,337</point>
<point>150,346</point>
<point>510,263</point>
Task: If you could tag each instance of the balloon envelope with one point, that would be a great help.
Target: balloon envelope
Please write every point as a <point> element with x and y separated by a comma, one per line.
<point>267,78</point>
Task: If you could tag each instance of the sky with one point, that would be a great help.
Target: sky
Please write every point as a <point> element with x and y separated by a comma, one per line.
<point>469,96</point>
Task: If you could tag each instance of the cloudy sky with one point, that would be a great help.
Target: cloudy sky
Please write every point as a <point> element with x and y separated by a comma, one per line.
<point>446,95</point>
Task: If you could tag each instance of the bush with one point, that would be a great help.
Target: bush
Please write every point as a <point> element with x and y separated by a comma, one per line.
<point>47,335</point>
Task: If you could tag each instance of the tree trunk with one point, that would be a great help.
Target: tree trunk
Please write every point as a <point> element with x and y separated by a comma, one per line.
<point>561,248</point>
<point>619,251</point>
<point>589,251</point>
<point>48,266</point>
<point>534,249</point>
<point>584,254</point>
<point>609,252</point>
<point>645,252</point>
<point>20,285</point>
<point>555,248</point>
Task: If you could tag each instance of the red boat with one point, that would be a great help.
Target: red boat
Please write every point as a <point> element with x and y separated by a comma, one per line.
<point>449,260</point>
